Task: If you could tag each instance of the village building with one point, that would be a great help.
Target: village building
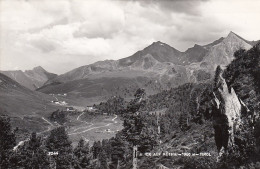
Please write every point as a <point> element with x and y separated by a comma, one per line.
<point>70,109</point>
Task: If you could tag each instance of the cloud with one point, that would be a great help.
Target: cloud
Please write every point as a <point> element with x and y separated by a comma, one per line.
<point>24,15</point>
<point>180,6</point>
<point>65,34</point>
<point>103,29</point>
<point>99,19</point>
<point>44,45</point>
<point>239,16</point>
<point>88,47</point>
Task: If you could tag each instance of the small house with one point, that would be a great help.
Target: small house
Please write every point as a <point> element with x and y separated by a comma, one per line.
<point>70,109</point>
<point>89,108</point>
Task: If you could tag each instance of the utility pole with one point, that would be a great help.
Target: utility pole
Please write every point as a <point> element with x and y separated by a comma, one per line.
<point>135,157</point>
<point>118,166</point>
<point>159,129</point>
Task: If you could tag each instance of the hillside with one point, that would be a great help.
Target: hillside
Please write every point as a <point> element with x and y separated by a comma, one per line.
<point>32,79</point>
<point>157,67</point>
<point>17,100</point>
<point>25,107</point>
<point>85,92</point>
<point>186,117</point>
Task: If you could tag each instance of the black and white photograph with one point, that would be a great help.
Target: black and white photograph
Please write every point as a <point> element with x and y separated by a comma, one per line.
<point>129,84</point>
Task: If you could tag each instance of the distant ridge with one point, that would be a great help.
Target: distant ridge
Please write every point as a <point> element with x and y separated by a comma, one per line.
<point>157,67</point>
<point>32,79</point>
<point>214,43</point>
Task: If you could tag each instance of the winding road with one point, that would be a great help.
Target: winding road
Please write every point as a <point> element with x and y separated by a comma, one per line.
<point>51,126</point>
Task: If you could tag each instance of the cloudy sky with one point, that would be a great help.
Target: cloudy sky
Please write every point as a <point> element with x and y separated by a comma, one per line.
<point>61,35</point>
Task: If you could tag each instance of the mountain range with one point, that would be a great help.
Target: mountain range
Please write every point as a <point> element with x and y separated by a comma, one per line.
<point>32,79</point>
<point>155,68</point>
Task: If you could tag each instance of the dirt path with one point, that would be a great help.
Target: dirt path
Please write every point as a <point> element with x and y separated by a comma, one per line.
<point>78,118</point>
<point>23,141</point>
<point>80,115</point>
<point>47,121</point>
<point>20,144</point>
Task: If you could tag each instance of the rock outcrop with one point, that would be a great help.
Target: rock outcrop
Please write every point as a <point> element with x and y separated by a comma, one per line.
<point>226,114</point>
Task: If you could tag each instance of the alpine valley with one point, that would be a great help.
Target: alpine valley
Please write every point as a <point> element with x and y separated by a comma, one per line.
<point>159,108</point>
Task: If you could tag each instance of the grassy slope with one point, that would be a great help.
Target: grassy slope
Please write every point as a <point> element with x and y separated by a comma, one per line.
<point>25,107</point>
<point>97,90</point>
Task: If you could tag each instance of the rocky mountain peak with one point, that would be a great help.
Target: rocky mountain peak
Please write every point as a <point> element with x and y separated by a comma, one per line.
<point>231,33</point>
<point>39,68</point>
<point>196,46</point>
<point>160,45</point>
<point>222,52</point>
<point>157,43</point>
<point>234,37</point>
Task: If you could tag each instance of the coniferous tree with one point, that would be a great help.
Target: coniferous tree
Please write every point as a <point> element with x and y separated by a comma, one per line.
<point>31,154</point>
<point>117,151</point>
<point>184,116</point>
<point>82,153</point>
<point>102,157</point>
<point>148,138</point>
<point>58,141</point>
<point>96,149</point>
<point>7,141</point>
